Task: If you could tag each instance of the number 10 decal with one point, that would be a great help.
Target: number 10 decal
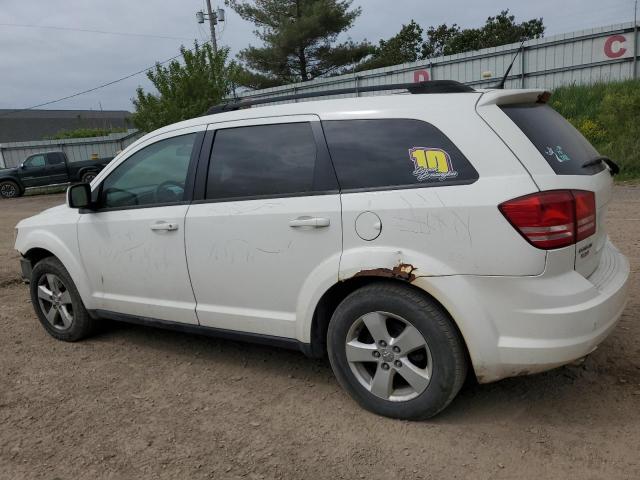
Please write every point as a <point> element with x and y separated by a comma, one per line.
<point>431,164</point>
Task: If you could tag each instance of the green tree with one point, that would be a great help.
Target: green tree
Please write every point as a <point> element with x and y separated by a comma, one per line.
<point>404,47</point>
<point>412,43</point>
<point>499,30</point>
<point>185,89</point>
<point>437,39</point>
<point>299,38</point>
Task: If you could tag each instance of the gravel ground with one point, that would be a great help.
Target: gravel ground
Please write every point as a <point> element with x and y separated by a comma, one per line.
<point>136,402</point>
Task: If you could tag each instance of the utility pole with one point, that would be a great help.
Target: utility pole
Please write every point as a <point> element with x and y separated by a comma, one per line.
<point>212,26</point>
<point>213,18</point>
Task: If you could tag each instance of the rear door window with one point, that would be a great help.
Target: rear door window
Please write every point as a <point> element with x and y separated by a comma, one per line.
<point>264,161</point>
<point>389,153</point>
<point>562,146</point>
<point>55,158</point>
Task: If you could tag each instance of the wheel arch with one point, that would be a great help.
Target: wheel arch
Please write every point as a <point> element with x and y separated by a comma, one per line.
<point>39,244</point>
<point>87,169</point>
<point>11,179</point>
<point>332,297</point>
<point>37,254</point>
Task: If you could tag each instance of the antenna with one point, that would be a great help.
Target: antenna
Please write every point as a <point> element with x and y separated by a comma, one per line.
<point>506,74</point>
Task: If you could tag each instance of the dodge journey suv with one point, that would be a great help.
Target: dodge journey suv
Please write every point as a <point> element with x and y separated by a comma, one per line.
<point>412,238</point>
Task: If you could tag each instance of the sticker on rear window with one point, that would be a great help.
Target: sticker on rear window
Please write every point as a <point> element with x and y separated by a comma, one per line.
<point>558,153</point>
<point>431,164</point>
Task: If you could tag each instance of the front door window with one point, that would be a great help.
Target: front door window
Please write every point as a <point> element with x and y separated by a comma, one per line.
<point>155,175</point>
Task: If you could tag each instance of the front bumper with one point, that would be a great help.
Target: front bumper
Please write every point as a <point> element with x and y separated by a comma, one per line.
<point>523,325</point>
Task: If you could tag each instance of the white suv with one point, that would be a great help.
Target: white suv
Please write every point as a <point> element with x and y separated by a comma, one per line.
<point>408,237</point>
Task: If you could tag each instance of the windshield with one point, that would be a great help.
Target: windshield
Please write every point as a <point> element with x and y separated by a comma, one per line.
<point>562,146</point>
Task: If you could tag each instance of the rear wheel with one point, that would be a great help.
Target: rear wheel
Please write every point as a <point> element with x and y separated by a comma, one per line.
<point>88,177</point>
<point>396,351</point>
<point>9,189</point>
<point>58,303</point>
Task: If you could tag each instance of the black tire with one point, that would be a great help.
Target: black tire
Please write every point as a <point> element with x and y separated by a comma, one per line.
<point>81,324</point>
<point>9,189</point>
<point>446,351</point>
<point>87,177</point>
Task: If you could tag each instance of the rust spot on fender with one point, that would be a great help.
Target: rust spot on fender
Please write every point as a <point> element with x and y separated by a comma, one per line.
<point>403,271</point>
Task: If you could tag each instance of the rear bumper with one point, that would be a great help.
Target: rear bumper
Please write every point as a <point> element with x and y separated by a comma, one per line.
<point>522,325</point>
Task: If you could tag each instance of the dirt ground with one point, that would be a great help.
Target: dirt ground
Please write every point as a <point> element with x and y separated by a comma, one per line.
<point>135,402</point>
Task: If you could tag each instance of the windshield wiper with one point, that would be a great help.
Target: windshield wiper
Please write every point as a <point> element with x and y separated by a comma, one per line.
<point>614,169</point>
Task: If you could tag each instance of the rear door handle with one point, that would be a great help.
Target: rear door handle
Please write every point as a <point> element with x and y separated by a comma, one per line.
<point>164,226</point>
<point>314,222</point>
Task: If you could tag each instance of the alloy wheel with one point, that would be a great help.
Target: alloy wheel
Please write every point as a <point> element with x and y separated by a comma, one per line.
<point>8,190</point>
<point>54,300</point>
<point>389,356</point>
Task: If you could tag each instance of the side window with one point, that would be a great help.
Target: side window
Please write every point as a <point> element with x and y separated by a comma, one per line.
<point>34,162</point>
<point>394,152</point>
<point>55,158</point>
<point>154,175</point>
<point>262,160</point>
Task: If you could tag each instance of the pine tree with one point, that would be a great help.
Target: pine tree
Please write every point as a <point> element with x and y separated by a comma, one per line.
<point>300,40</point>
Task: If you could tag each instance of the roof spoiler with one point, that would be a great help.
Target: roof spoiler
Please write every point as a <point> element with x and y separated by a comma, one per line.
<point>506,97</point>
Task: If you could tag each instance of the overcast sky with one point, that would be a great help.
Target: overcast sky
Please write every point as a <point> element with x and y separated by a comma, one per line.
<point>40,64</point>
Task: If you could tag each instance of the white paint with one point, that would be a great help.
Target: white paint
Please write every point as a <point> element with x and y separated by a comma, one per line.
<point>543,174</point>
<point>519,309</point>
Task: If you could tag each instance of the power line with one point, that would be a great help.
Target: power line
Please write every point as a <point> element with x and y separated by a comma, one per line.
<point>87,30</point>
<point>94,88</point>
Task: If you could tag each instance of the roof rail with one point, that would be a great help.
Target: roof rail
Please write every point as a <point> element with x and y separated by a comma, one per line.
<point>432,86</point>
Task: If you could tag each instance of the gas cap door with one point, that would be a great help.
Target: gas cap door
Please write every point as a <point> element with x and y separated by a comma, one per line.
<point>368,226</point>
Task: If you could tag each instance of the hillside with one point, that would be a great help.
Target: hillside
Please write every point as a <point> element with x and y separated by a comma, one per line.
<point>608,114</point>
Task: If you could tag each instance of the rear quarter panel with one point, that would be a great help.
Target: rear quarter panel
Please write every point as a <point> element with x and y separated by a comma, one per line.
<point>586,252</point>
<point>443,230</point>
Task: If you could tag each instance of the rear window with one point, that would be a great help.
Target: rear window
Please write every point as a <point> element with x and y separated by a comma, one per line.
<point>562,146</point>
<point>391,153</point>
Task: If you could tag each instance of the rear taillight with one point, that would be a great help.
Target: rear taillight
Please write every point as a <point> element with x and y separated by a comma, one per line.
<point>585,214</point>
<point>553,219</point>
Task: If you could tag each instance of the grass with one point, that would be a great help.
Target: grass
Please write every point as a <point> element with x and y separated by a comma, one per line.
<point>85,133</point>
<point>608,114</point>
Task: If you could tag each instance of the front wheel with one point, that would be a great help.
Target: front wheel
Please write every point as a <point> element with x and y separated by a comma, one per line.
<point>396,351</point>
<point>57,302</point>
<point>9,189</point>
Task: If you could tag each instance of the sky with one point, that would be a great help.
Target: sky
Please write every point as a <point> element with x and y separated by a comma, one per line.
<point>40,64</point>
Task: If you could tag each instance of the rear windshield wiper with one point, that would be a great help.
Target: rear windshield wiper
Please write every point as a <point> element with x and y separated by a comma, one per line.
<point>614,169</point>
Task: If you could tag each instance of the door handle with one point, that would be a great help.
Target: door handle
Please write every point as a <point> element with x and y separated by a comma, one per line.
<point>314,222</point>
<point>164,226</point>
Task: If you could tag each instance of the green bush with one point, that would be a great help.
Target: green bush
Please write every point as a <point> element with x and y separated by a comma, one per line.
<point>85,133</point>
<point>608,115</point>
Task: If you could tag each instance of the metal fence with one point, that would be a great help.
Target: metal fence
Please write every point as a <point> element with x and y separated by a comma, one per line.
<point>76,149</point>
<point>601,54</point>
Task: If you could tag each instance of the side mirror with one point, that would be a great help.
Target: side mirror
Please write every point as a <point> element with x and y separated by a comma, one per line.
<point>22,167</point>
<point>79,196</point>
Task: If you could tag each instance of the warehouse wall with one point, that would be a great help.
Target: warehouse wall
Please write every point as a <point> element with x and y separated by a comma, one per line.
<point>14,153</point>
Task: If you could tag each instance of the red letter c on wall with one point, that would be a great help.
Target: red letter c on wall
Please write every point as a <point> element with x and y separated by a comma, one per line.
<point>610,43</point>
